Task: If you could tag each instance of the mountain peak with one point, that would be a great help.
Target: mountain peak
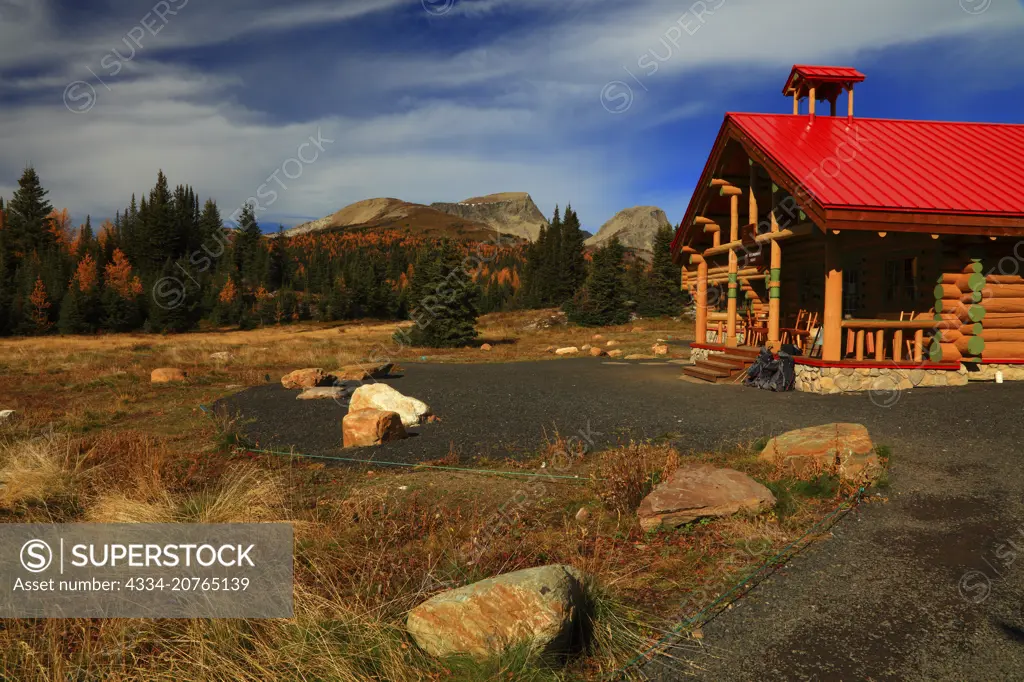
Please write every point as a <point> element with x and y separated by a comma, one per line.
<point>635,227</point>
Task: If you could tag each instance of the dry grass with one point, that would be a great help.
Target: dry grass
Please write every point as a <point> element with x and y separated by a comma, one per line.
<point>369,544</point>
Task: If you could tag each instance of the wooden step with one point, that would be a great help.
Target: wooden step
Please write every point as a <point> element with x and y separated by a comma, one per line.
<point>721,362</point>
<point>731,356</point>
<point>696,372</point>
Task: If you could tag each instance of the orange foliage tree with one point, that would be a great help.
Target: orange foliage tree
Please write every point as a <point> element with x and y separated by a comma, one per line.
<point>229,293</point>
<point>86,276</point>
<point>118,276</point>
<point>39,306</point>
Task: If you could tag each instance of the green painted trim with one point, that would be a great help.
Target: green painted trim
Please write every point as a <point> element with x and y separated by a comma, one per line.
<point>733,278</point>
<point>776,273</point>
<point>775,188</point>
<point>775,292</point>
<point>975,345</point>
<point>732,293</point>
<point>935,352</point>
<point>803,216</point>
<point>976,313</point>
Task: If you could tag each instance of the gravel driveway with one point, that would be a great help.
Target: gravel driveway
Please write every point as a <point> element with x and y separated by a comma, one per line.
<point>923,587</point>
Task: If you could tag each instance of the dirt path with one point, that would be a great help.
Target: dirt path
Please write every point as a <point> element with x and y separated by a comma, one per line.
<point>921,588</point>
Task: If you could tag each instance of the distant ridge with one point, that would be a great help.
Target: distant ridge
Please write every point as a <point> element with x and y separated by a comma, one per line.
<point>635,227</point>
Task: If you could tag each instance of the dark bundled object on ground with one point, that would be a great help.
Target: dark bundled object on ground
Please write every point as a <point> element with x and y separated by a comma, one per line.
<point>772,374</point>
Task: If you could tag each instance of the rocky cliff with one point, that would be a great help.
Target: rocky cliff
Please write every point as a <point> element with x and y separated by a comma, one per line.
<point>635,228</point>
<point>512,213</point>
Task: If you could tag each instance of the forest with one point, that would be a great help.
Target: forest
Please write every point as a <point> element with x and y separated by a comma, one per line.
<point>168,263</point>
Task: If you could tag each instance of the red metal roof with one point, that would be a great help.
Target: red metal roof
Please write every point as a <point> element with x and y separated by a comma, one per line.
<point>892,165</point>
<point>823,74</point>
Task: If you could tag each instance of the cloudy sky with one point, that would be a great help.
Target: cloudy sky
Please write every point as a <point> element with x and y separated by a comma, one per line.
<point>601,103</point>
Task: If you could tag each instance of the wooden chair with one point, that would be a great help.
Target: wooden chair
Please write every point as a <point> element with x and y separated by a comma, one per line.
<point>799,334</point>
<point>787,333</point>
<point>909,315</point>
<point>755,330</point>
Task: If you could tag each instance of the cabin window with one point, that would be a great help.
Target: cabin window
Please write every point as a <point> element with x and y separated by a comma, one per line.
<point>901,281</point>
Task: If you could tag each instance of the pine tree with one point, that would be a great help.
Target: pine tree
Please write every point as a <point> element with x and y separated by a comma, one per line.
<point>247,246</point>
<point>663,295</point>
<point>602,300</point>
<point>573,264</point>
<point>277,262</point>
<point>28,216</point>
<point>442,299</point>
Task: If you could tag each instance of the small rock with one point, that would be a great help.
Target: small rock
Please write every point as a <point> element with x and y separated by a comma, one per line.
<point>598,352</point>
<point>222,356</point>
<point>637,329</point>
<point>365,372</point>
<point>596,337</point>
<point>166,375</point>
<point>611,344</point>
<point>382,397</point>
<point>6,415</point>
<point>540,607</point>
<point>585,347</point>
<point>364,428</point>
<point>615,353</point>
<point>570,350</point>
<point>660,349</point>
<point>698,491</point>
<point>305,378</point>
<point>639,356</point>
<point>322,393</point>
<point>486,347</point>
<point>583,515</point>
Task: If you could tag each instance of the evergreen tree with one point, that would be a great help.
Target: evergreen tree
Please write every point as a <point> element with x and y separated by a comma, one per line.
<point>602,300</point>
<point>277,262</point>
<point>72,317</point>
<point>27,222</point>
<point>573,264</point>
<point>663,294</point>
<point>247,246</point>
<point>442,300</point>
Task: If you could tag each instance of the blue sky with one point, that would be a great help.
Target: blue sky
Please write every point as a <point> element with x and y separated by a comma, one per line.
<point>441,100</point>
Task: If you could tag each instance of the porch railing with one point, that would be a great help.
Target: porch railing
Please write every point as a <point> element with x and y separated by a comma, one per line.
<point>876,334</point>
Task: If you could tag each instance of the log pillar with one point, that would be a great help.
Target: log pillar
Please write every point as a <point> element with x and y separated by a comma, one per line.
<point>813,99</point>
<point>832,324</point>
<point>702,300</point>
<point>774,289</point>
<point>734,234</point>
<point>849,103</point>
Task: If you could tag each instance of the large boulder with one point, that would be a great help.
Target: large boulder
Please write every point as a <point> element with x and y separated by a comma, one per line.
<point>365,428</point>
<point>697,491</point>
<point>310,377</point>
<point>845,449</point>
<point>382,397</point>
<point>166,375</point>
<point>541,607</point>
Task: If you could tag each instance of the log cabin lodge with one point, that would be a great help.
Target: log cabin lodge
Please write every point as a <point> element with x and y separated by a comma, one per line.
<point>891,252</point>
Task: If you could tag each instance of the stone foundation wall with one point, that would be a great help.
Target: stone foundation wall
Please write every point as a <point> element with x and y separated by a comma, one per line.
<point>988,373</point>
<point>698,354</point>
<point>830,380</point>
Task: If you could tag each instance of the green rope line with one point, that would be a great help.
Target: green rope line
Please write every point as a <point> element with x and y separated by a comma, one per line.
<point>423,466</point>
<point>700,619</point>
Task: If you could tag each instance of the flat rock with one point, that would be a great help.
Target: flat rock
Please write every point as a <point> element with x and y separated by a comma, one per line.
<point>365,428</point>
<point>615,353</point>
<point>310,377</point>
<point>383,397</point>
<point>322,393</point>
<point>842,448</point>
<point>639,356</point>
<point>364,372</point>
<point>697,491</point>
<point>611,344</point>
<point>570,350</point>
<point>540,607</point>
<point>166,375</point>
